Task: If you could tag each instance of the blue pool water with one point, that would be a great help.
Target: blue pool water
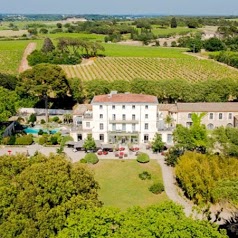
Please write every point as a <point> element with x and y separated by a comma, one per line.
<point>30,130</point>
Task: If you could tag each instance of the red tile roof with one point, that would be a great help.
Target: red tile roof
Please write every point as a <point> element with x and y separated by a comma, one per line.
<point>125,98</point>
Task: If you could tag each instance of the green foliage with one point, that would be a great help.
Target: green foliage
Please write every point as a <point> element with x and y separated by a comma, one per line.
<point>157,143</point>
<point>143,158</point>
<point>42,121</point>
<point>89,143</point>
<point>168,221</point>
<point>24,140</point>
<point>173,155</point>
<point>145,175</point>
<point>173,23</point>
<point>32,118</point>
<point>44,80</point>
<point>91,158</point>
<point>200,175</point>
<point>194,137</point>
<point>40,132</point>
<point>55,119</point>
<point>214,44</point>
<point>39,193</point>
<point>43,139</point>
<point>157,188</point>
<point>227,57</point>
<point>8,81</point>
<point>83,161</point>
<point>8,103</point>
<point>48,46</point>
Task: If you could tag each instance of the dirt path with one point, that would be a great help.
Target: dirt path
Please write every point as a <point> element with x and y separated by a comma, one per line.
<point>24,63</point>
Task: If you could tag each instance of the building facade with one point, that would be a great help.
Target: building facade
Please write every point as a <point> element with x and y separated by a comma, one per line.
<point>136,118</point>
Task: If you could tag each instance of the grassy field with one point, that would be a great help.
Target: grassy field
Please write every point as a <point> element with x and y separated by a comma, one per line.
<point>10,55</point>
<point>167,31</point>
<point>128,68</point>
<point>120,185</point>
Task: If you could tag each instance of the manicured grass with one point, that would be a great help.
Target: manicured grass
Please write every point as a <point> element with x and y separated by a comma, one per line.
<point>120,185</point>
<point>117,50</point>
<point>11,54</point>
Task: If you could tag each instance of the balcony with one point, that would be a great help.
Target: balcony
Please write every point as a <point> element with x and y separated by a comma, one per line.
<point>166,128</point>
<point>123,133</point>
<point>123,121</point>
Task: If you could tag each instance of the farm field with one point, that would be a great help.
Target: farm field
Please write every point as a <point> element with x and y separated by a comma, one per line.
<point>117,50</point>
<point>11,53</point>
<point>120,185</point>
<point>166,31</point>
<point>128,68</point>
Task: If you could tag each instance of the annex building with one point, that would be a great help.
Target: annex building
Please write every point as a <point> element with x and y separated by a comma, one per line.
<point>136,118</point>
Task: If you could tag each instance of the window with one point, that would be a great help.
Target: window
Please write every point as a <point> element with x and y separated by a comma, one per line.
<point>100,106</point>
<point>169,138</point>
<point>87,124</point>
<point>229,125</point>
<point>220,116</point>
<point>114,127</point>
<point>146,126</point>
<point>146,116</point>
<point>211,116</point>
<point>210,126</point>
<point>133,116</point>
<point>123,107</point>
<point>188,124</point>
<point>133,127</point>
<point>113,107</point>
<point>146,138</point>
<point>124,117</point>
<point>189,115</point>
<point>101,116</point>
<point>230,116</point>
<point>146,106</point>
<point>133,106</point>
<point>124,127</point>
<point>113,116</point>
<point>80,137</point>
<point>101,137</point>
<point>101,126</point>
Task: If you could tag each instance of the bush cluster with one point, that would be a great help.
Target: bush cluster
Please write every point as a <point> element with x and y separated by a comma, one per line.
<point>18,140</point>
<point>145,175</point>
<point>143,158</point>
<point>54,57</point>
<point>48,139</point>
<point>157,188</point>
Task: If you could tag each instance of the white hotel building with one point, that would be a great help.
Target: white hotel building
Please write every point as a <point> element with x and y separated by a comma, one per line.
<point>118,118</point>
<point>136,118</point>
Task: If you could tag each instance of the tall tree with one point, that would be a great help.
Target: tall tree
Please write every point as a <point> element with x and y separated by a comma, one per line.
<point>44,80</point>
<point>157,143</point>
<point>48,45</point>
<point>173,23</point>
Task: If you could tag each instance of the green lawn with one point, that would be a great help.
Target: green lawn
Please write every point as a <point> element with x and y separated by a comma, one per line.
<point>120,185</point>
<point>117,50</point>
<point>166,31</point>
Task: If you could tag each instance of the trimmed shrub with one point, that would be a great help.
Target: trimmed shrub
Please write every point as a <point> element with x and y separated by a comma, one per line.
<point>43,140</point>
<point>55,119</point>
<point>42,121</point>
<point>143,158</point>
<point>157,188</point>
<point>24,140</point>
<point>145,175</point>
<point>91,158</point>
<point>54,140</point>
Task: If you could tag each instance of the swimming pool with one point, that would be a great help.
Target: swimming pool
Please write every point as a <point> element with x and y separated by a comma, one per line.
<point>30,130</point>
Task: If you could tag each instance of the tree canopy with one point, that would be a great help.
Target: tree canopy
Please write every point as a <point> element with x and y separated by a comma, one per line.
<point>38,194</point>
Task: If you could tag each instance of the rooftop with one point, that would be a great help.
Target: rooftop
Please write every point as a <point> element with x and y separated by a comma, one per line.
<point>206,107</point>
<point>124,98</point>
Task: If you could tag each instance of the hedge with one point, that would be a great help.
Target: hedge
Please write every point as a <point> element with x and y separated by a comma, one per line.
<point>91,158</point>
<point>24,140</point>
<point>143,158</point>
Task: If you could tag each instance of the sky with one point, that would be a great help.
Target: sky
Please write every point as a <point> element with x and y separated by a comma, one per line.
<point>167,7</point>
